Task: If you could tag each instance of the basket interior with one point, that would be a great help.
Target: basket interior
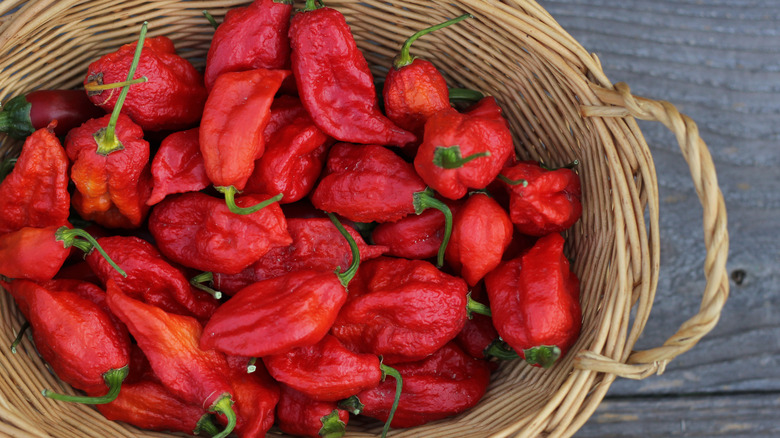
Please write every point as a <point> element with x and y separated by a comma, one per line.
<point>512,50</point>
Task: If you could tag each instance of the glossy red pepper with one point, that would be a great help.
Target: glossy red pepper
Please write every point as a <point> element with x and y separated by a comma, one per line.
<point>77,338</point>
<point>535,302</point>
<point>462,151</point>
<point>481,231</point>
<point>334,81</point>
<point>170,342</point>
<point>200,232</point>
<point>299,415</point>
<point>171,98</point>
<point>35,193</point>
<point>90,292</point>
<point>292,161</point>
<point>250,37</point>
<point>26,113</point>
<point>284,110</point>
<point>256,395</point>
<point>276,315</point>
<point>478,332</point>
<point>401,309</point>
<point>316,245</point>
<point>178,166</point>
<point>231,132</point>
<point>150,278</point>
<point>542,201</point>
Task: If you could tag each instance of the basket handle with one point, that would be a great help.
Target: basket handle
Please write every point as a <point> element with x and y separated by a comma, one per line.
<point>641,364</point>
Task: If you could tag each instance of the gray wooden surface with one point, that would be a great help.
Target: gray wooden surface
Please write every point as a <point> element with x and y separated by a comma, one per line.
<point>718,61</point>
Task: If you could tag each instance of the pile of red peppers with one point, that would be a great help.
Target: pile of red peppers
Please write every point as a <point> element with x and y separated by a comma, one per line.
<point>275,243</point>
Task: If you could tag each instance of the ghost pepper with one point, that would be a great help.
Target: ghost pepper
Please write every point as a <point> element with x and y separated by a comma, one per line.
<point>299,415</point>
<point>535,302</point>
<point>256,395</point>
<point>178,166</point>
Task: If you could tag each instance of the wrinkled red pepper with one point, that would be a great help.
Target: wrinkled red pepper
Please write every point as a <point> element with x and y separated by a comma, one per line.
<point>542,201</point>
<point>284,110</point>
<point>478,332</point>
<point>401,309</point>
<point>334,81</point>
<point>443,384</point>
<point>77,338</point>
<point>200,232</point>
<point>26,113</point>
<point>171,98</point>
<point>170,342</point>
<point>35,193</point>
<point>299,415</point>
<point>292,161</point>
<point>481,231</point>
<point>178,166</point>
<point>462,151</point>
<point>316,245</point>
<point>249,38</point>
<point>276,315</point>
<point>256,395</point>
<point>231,132</point>
<point>535,302</point>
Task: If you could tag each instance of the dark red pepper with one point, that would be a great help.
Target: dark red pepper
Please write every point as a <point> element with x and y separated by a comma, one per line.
<point>35,193</point>
<point>334,81</point>
<point>178,166</point>
<point>300,415</point>
<point>26,113</point>
<point>478,332</point>
<point>170,342</point>
<point>535,302</point>
<point>250,37</point>
<point>200,232</point>
<point>256,395</point>
<point>401,309</point>
<point>284,110</point>
<point>542,201</point>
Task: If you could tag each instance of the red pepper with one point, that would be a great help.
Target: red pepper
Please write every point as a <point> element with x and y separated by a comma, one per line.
<point>231,132</point>
<point>299,415</point>
<point>443,384</point>
<point>478,332</point>
<point>256,395</point>
<point>198,231</point>
<point>39,253</point>
<point>414,88</point>
<point>26,113</point>
<point>276,315</point>
<point>149,405</point>
<point>250,37</point>
<point>77,338</point>
<point>178,166</point>
<point>401,309</point>
<point>171,98</point>
<point>316,245</point>
<point>35,193</point>
<point>481,231</point>
<point>170,342</point>
<point>292,161</point>
<point>90,292</point>
<point>150,278</point>
<point>542,201</point>
<point>462,151</point>
<point>284,110</point>
<point>334,81</point>
<point>535,302</point>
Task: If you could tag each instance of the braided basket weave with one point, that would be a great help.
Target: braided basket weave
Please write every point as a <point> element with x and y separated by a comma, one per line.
<point>560,106</point>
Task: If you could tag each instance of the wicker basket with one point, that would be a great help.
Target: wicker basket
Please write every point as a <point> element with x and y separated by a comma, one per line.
<point>560,105</point>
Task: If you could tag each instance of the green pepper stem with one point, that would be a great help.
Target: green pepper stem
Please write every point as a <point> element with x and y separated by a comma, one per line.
<point>346,276</point>
<point>571,165</point>
<point>106,138</point>
<point>94,86</point>
<point>542,355</point>
<point>206,424</point>
<point>451,158</point>
<point>313,5</point>
<point>332,426</point>
<point>225,406</point>
<point>250,366</point>
<point>513,182</point>
<point>210,18</point>
<point>205,277</point>
<point>465,95</point>
<point>352,405</point>
<point>7,166</point>
<point>476,307</point>
<point>230,200</point>
<point>389,371</point>
<point>425,200</point>
<point>113,379</point>
<point>19,336</point>
<point>404,58</point>
<point>68,237</point>
<point>500,350</point>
